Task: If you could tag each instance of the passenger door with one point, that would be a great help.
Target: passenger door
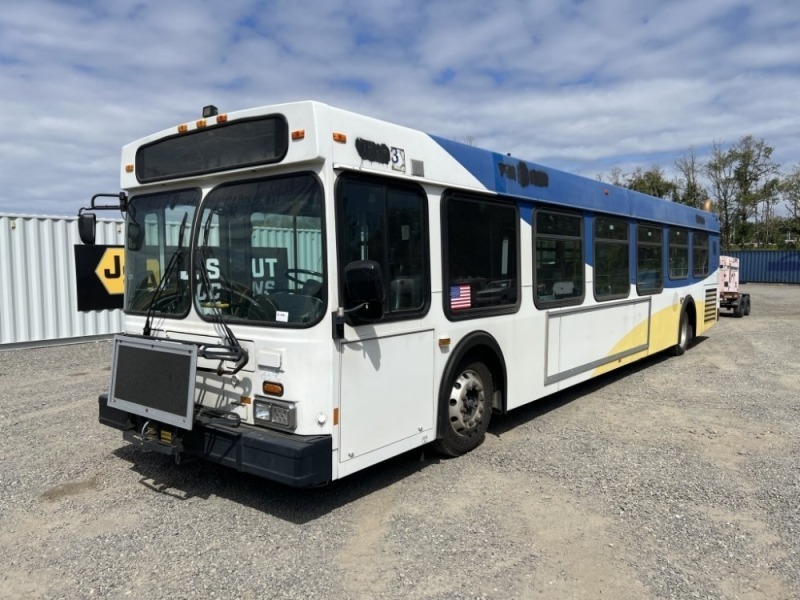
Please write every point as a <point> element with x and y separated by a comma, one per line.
<point>386,364</point>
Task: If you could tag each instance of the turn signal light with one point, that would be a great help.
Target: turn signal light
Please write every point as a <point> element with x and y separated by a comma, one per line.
<point>339,137</point>
<point>272,388</point>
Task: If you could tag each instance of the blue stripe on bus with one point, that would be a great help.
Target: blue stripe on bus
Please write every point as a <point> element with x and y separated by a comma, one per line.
<point>522,179</point>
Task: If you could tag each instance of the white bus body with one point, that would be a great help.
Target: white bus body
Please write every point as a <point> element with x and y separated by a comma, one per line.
<point>380,289</point>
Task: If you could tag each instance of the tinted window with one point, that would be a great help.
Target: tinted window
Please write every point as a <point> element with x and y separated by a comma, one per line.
<point>678,254</point>
<point>611,259</point>
<point>649,259</point>
<point>480,239</point>
<point>217,148</point>
<point>385,221</point>
<point>558,258</point>
<point>700,260</point>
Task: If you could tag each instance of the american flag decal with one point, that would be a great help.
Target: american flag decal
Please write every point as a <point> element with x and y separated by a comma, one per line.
<point>460,297</point>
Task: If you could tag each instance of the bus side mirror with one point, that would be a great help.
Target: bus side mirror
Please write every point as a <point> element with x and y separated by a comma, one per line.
<point>87,224</point>
<point>364,290</point>
<point>135,236</point>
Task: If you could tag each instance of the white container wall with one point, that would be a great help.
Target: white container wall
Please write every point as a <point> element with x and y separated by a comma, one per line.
<point>38,295</point>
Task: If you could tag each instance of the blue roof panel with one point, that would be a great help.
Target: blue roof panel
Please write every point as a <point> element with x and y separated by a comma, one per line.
<point>507,175</point>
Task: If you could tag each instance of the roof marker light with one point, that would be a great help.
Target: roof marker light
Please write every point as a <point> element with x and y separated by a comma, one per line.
<point>183,128</point>
<point>222,118</point>
<point>200,123</point>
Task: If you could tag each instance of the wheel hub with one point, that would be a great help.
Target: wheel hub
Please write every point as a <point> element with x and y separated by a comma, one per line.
<point>466,402</point>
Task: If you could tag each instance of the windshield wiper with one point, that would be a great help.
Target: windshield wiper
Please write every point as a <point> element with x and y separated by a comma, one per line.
<point>174,259</point>
<point>233,350</point>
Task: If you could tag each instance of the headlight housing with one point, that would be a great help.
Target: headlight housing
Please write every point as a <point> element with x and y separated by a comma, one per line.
<point>275,413</point>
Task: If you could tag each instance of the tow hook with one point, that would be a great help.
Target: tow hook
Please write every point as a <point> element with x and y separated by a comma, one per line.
<point>152,438</point>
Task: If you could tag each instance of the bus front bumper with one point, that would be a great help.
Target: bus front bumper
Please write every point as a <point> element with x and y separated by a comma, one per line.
<point>295,460</point>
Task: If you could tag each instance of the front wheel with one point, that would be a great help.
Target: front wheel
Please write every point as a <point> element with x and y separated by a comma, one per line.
<point>467,409</point>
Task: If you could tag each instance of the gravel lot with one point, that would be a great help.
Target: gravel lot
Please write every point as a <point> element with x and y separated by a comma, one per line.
<point>673,478</point>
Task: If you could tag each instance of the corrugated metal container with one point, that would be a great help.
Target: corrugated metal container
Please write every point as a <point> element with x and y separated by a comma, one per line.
<point>767,266</point>
<point>38,295</point>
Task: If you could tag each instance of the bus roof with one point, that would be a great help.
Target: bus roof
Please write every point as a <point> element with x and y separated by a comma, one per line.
<point>446,163</point>
<point>511,176</point>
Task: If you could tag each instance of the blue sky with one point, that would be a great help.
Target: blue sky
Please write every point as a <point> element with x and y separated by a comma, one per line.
<point>581,85</point>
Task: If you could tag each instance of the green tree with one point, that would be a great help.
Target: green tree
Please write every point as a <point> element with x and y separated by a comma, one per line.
<point>757,186</point>
<point>690,191</point>
<point>653,182</point>
<point>719,170</point>
<point>790,191</point>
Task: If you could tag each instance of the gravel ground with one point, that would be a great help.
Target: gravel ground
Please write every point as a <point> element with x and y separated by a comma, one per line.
<point>672,478</point>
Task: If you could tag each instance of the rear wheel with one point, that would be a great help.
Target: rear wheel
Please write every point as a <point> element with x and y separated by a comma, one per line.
<point>738,310</point>
<point>467,409</point>
<point>746,305</point>
<point>684,334</point>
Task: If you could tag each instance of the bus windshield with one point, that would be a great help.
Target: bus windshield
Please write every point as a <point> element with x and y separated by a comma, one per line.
<point>259,252</point>
<point>159,231</point>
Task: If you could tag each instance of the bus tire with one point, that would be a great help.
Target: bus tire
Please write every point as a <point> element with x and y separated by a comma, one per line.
<point>467,409</point>
<point>684,334</point>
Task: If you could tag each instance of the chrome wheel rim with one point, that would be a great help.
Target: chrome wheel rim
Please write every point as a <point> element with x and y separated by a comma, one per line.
<point>467,401</point>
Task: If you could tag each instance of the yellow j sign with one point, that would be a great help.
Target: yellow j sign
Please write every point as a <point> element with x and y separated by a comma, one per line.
<point>110,269</point>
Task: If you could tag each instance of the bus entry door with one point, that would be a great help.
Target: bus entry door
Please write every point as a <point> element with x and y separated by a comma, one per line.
<point>386,384</point>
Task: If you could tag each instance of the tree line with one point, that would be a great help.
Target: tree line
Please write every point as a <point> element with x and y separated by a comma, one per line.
<point>742,184</point>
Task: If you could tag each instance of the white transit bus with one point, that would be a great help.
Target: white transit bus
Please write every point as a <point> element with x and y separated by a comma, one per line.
<point>310,291</point>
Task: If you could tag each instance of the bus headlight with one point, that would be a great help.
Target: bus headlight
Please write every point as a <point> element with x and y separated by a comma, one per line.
<point>275,413</point>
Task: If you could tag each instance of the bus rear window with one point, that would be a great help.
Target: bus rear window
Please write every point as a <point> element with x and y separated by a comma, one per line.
<point>231,146</point>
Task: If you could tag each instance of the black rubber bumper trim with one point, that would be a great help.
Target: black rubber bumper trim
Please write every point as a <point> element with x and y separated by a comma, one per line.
<point>295,460</point>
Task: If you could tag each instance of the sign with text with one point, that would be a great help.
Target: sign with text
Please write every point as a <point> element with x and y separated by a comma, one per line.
<point>99,272</point>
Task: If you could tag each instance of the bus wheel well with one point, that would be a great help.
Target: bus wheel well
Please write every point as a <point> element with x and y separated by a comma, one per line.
<point>482,347</point>
<point>471,389</point>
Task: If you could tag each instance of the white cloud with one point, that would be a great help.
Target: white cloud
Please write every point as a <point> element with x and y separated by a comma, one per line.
<point>577,85</point>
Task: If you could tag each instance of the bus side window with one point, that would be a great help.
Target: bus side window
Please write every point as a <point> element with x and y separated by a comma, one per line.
<point>700,254</point>
<point>480,243</point>
<point>649,259</point>
<point>558,258</point>
<point>611,259</point>
<point>678,253</point>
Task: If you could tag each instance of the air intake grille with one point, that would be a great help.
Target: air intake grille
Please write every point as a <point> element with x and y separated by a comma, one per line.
<point>711,305</point>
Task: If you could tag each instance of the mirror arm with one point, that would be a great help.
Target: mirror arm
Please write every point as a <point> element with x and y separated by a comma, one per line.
<point>339,319</point>
<point>122,206</point>
<point>87,212</point>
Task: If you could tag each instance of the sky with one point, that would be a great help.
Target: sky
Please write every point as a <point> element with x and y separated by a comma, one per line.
<point>579,85</point>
